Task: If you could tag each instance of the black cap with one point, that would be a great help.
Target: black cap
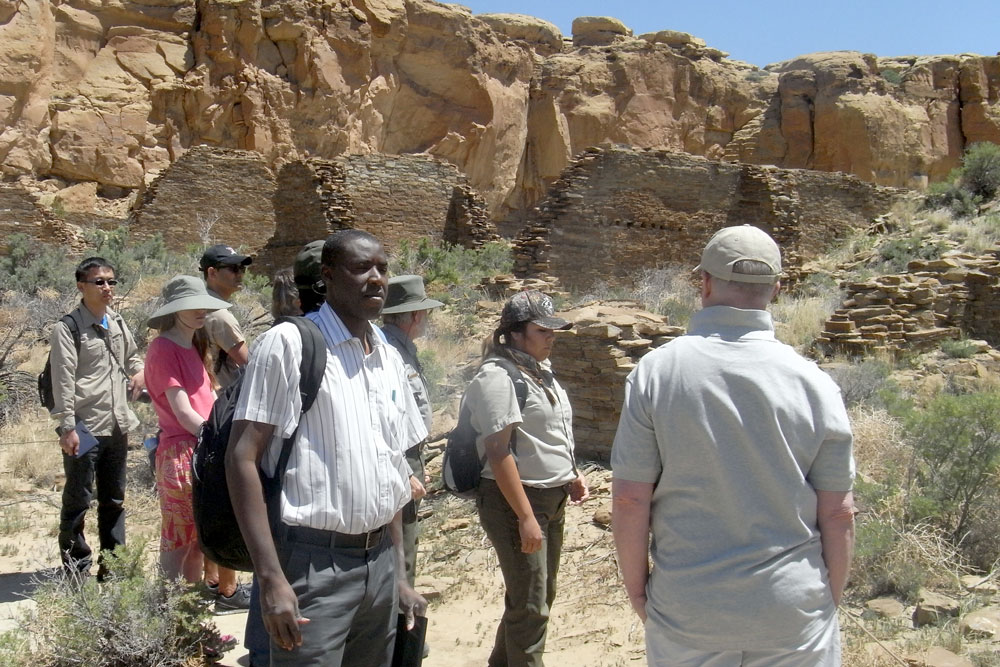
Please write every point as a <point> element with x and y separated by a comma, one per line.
<point>222,255</point>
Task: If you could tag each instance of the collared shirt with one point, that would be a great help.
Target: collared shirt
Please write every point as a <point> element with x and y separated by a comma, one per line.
<point>224,333</point>
<point>544,446</point>
<point>346,472</point>
<point>736,431</point>
<point>414,372</point>
<point>90,385</point>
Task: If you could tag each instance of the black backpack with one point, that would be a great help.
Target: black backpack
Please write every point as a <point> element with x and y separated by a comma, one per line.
<point>218,531</point>
<point>45,395</point>
<point>462,466</point>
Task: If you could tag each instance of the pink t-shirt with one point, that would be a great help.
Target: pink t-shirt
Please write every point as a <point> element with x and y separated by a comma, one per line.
<point>170,365</point>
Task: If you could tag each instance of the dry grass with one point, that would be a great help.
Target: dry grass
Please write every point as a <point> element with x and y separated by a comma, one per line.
<point>800,319</point>
<point>30,452</point>
<point>878,443</point>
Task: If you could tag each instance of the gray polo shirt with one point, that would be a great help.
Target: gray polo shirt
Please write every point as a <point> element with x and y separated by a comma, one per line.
<point>545,443</point>
<point>737,432</point>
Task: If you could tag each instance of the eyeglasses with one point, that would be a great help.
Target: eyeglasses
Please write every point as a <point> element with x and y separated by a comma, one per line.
<point>101,282</point>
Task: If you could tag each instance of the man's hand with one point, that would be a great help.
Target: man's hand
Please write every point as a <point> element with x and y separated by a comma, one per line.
<point>411,603</point>
<point>638,603</point>
<point>70,442</point>
<point>280,609</point>
<point>138,383</point>
<point>417,490</point>
<point>578,491</point>
<point>531,534</point>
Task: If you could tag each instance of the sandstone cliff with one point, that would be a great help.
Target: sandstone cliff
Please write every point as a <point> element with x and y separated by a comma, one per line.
<point>112,91</point>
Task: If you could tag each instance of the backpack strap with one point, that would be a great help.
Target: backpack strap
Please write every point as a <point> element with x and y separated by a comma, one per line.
<point>311,370</point>
<point>520,391</point>
<point>74,329</point>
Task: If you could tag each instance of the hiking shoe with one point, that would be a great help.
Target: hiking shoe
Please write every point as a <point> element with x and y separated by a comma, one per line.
<point>238,601</point>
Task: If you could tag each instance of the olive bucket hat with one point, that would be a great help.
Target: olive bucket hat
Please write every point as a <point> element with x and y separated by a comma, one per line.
<point>406,294</point>
<point>184,293</point>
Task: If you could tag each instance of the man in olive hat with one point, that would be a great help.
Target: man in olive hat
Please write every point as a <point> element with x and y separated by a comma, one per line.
<point>404,319</point>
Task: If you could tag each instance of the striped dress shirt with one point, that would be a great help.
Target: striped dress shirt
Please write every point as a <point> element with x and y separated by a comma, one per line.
<point>347,470</point>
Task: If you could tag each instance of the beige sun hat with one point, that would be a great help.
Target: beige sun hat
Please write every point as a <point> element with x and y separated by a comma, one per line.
<point>184,293</point>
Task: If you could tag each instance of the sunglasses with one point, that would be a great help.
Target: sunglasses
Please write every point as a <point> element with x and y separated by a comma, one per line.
<point>101,282</point>
<point>235,268</point>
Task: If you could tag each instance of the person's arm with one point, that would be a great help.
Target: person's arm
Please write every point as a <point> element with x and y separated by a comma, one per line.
<point>411,603</point>
<point>278,602</point>
<point>630,525</point>
<point>509,480</point>
<point>180,405</point>
<point>835,519</point>
<point>239,353</point>
<point>63,358</point>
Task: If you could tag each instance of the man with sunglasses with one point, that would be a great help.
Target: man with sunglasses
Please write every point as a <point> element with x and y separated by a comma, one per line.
<point>94,359</point>
<point>223,269</point>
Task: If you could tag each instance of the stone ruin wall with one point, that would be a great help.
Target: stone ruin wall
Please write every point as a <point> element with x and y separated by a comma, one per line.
<point>935,300</point>
<point>592,360</point>
<point>272,217</point>
<point>616,211</point>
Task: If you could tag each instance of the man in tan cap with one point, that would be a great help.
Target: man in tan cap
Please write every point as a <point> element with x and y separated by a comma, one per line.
<point>404,318</point>
<point>735,452</point>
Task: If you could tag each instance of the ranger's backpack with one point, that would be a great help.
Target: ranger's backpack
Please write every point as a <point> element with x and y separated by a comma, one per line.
<point>45,395</point>
<point>215,520</point>
<point>462,467</point>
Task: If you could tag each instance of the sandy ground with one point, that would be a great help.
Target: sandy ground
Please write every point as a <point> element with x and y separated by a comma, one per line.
<point>591,623</point>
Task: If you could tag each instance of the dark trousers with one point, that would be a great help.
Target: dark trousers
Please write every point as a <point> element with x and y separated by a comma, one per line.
<point>411,528</point>
<point>105,463</point>
<point>349,595</point>
<point>529,579</point>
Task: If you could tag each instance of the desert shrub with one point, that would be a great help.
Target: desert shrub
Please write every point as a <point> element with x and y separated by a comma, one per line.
<point>961,348</point>
<point>861,382</point>
<point>895,254</point>
<point>665,291</point>
<point>951,196</point>
<point>892,76</point>
<point>31,267</point>
<point>957,442</point>
<point>799,318</point>
<point>447,268</point>
<point>135,618</point>
<point>980,173</point>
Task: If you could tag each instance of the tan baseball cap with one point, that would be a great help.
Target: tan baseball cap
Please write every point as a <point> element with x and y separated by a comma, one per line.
<point>732,244</point>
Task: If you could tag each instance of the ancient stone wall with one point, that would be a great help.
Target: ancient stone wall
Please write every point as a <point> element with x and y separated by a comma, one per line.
<point>210,195</point>
<point>592,360</point>
<point>20,214</point>
<point>935,300</point>
<point>616,211</point>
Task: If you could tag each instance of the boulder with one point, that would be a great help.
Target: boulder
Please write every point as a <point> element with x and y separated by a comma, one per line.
<point>542,36</point>
<point>598,30</point>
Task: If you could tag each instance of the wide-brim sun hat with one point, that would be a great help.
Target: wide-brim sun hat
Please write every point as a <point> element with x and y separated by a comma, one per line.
<point>532,306</point>
<point>184,293</point>
<point>406,294</point>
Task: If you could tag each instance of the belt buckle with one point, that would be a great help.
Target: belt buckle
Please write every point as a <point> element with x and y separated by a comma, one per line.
<point>370,536</point>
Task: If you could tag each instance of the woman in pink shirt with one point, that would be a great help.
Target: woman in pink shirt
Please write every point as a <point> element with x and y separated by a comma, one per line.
<point>179,383</point>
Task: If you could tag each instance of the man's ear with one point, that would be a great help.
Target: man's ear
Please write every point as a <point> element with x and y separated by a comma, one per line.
<point>706,285</point>
<point>777,290</point>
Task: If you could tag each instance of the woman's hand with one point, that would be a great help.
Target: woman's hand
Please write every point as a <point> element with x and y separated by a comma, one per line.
<point>531,534</point>
<point>578,491</point>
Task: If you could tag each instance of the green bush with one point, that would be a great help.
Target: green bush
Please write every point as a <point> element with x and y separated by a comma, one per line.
<point>953,197</point>
<point>135,618</point>
<point>957,442</point>
<point>981,170</point>
<point>30,267</point>
<point>447,267</point>
<point>958,349</point>
<point>861,382</point>
<point>897,253</point>
<point>877,568</point>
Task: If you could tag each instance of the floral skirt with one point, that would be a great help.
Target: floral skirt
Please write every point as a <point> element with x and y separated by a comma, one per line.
<point>173,486</point>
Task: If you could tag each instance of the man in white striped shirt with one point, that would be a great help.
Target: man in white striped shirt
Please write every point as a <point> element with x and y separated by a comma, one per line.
<point>331,573</point>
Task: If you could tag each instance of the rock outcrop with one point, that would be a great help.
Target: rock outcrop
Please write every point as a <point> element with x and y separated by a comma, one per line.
<point>111,92</point>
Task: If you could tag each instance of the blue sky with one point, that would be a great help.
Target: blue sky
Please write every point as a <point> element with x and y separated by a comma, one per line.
<point>767,32</point>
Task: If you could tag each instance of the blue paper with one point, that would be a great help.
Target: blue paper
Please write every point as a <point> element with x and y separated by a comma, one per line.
<point>87,439</point>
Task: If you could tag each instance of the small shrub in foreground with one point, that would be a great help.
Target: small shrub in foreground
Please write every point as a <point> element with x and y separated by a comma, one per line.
<point>134,619</point>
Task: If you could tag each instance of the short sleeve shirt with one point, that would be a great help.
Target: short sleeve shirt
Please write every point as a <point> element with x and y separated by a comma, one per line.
<point>224,333</point>
<point>347,470</point>
<point>170,365</point>
<point>544,446</point>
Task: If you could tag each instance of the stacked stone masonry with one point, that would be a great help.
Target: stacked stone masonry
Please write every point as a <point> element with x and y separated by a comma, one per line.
<point>935,300</point>
<point>230,196</point>
<point>21,214</point>
<point>592,361</point>
<point>617,211</point>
